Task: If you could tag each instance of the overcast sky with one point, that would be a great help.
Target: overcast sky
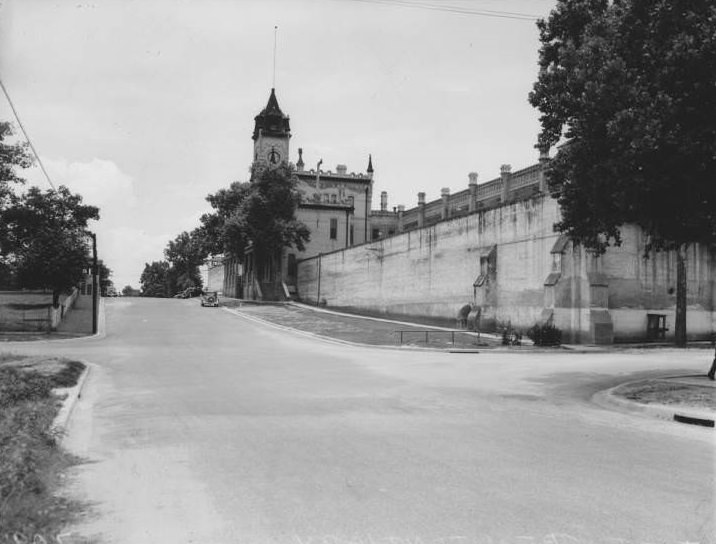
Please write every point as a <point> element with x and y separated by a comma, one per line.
<point>145,107</point>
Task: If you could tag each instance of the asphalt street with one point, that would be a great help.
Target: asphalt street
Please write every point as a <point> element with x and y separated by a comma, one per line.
<point>198,425</point>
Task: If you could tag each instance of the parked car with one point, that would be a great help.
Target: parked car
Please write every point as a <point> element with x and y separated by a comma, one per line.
<point>210,299</point>
<point>189,292</point>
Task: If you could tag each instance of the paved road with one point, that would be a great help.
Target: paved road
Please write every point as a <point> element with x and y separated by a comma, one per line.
<point>200,426</point>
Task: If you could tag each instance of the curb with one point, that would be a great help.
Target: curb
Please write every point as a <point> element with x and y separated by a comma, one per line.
<point>72,395</point>
<point>608,399</point>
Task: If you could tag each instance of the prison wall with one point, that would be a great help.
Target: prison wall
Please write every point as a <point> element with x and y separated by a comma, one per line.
<point>509,262</point>
<point>432,272</point>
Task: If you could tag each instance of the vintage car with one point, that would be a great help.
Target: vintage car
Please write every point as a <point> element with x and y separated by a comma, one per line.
<point>210,299</point>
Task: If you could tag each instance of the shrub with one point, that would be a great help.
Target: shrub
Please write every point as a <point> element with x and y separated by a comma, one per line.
<point>545,334</point>
<point>511,337</point>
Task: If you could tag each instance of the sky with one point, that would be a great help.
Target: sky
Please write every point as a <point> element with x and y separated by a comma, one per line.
<point>147,106</point>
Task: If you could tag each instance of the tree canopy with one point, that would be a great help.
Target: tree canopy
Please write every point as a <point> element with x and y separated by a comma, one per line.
<point>185,254</point>
<point>154,280</point>
<point>260,213</point>
<point>12,157</point>
<point>43,239</point>
<point>628,86</point>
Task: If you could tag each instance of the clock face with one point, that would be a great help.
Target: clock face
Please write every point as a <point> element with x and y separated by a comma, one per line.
<point>273,156</point>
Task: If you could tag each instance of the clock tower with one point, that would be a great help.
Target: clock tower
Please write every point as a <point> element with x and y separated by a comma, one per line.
<point>271,134</point>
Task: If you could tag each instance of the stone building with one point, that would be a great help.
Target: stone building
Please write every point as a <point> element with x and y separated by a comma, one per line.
<point>493,246</point>
<point>336,207</point>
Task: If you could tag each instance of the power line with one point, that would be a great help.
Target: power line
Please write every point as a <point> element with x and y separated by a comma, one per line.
<point>27,136</point>
<point>454,9</point>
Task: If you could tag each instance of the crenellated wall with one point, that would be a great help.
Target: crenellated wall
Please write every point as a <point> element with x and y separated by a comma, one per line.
<point>509,261</point>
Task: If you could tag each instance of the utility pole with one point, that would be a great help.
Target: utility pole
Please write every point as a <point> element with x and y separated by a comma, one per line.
<point>95,286</point>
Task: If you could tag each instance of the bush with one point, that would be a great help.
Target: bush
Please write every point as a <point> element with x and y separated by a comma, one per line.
<point>511,337</point>
<point>545,334</point>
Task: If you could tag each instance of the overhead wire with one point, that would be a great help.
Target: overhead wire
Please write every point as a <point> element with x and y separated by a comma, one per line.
<point>454,9</point>
<point>27,136</point>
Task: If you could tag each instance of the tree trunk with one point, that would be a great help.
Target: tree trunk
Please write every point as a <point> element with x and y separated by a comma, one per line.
<point>680,321</point>
<point>55,299</point>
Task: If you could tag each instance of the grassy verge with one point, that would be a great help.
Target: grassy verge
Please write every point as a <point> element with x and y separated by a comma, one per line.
<point>31,460</point>
<point>660,392</point>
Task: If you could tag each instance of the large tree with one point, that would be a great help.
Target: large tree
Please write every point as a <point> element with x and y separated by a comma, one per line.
<point>155,280</point>
<point>44,239</point>
<point>628,87</point>
<point>12,157</point>
<point>261,213</point>
<point>185,254</point>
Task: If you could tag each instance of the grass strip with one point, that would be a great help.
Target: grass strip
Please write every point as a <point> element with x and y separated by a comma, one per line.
<point>31,460</point>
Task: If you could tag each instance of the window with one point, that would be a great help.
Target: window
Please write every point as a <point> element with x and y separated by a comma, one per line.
<point>351,201</point>
<point>334,228</point>
<point>326,198</point>
<point>333,199</point>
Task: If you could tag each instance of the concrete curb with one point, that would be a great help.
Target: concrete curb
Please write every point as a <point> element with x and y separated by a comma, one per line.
<point>72,395</point>
<point>610,400</point>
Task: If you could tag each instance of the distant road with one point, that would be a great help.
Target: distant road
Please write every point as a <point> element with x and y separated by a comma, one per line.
<point>200,426</point>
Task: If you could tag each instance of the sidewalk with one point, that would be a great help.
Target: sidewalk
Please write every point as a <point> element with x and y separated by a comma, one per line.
<point>690,399</point>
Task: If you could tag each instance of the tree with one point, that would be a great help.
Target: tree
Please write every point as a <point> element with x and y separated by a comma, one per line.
<point>628,84</point>
<point>12,157</point>
<point>185,254</point>
<point>154,279</point>
<point>261,213</point>
<point>129,291</point>
<point>105,283</point>
<point>44,239</point>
